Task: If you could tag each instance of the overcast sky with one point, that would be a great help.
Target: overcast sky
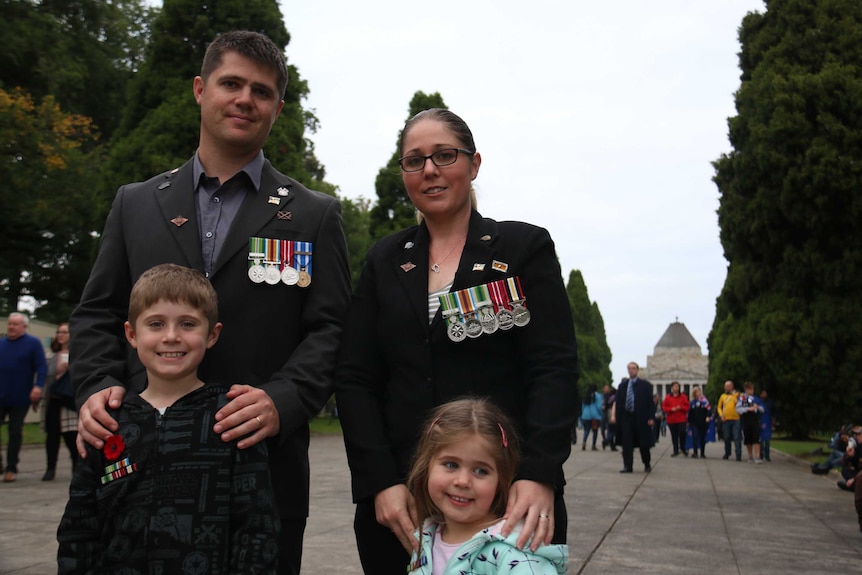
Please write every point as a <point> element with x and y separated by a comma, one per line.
<point>595,120</point>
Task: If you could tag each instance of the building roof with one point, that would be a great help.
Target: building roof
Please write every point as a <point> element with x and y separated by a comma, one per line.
<point>677,336</point>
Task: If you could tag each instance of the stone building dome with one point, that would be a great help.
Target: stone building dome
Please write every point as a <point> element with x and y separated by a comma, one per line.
<point>677,357</point>
<point>677,335</point>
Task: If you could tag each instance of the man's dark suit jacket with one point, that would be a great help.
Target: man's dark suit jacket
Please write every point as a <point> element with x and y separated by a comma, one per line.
<point>644,410</point>
<point>394,367</point>
<point>281,338</point>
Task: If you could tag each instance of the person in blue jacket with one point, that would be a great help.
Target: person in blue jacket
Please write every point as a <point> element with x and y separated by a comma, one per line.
<point>591,415</point>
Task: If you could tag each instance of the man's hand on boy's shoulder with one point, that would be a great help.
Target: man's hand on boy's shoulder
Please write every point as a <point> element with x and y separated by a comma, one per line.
<point>95,424</point>
<point>250,414</point>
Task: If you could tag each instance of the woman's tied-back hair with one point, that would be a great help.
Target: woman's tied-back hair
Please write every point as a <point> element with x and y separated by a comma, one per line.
<point>456,421</point>
<point>176,284</point>
<point>252,45</point>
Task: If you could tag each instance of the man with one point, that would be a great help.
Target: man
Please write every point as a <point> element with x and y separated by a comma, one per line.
<point>22,379</point>
<point>633,414</point>
<point>730,425</point>
<point>257,235</point>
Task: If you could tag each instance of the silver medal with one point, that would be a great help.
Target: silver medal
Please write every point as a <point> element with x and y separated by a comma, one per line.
<point>289,275</point>
<point>489,321</point>
<point>272,276</point>
<point>456,331</point>
<point>506,319</point>
<point>473,326</point>
<point>257,273</point>
<point>521,315</point>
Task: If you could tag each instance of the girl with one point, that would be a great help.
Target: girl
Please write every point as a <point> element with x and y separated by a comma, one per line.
<point>591,415</point>
<point>465,464</point>
<point>675,407</point>
<point>699,416</point>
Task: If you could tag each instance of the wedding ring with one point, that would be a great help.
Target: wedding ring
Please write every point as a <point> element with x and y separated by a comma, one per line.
<point>543,516</point>
<point>259,422</point>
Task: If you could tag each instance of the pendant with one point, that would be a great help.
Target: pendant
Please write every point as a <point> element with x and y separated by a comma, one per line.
<point>435,268</point>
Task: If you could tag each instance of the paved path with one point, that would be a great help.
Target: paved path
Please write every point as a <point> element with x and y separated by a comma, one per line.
<point>687,516</point>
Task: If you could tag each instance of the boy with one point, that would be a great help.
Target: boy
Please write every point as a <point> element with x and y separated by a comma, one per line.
<point>166,494</point>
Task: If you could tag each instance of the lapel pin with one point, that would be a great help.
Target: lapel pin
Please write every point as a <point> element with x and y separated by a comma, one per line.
<point>284,215</point>
<point>282,191</point>
<point>500,266</point>
<point>478,267</point>
<point>179,220</point>
<point>485,238</point>
<point>274,200</point>
<point>408,266</point>
<point>408,245</point>
<point>164,185</point>
<point>174,171</point>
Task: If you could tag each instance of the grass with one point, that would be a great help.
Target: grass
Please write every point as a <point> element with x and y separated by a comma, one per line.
<point>807,450</point>
<point>33,436</point>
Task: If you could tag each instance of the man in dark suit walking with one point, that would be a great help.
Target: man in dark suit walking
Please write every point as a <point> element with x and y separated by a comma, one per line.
<point>634,415</point>
<point>257,235</point>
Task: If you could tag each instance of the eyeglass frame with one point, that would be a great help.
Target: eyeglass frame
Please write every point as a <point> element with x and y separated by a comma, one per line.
<point>431,157</point>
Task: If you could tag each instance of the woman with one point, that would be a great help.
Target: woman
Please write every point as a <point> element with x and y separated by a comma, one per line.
<point>659,425</point>
<point>59,418</point>
<point>405,351</point>
<point>591,415</point>
<point>699,416</point>
<point>675,407</point>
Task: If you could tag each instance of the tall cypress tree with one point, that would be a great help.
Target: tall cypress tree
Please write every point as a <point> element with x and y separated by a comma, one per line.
<point>790,214</point>
<point>594,355</point>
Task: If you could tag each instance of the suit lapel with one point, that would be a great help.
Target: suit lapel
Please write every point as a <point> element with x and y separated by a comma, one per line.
<point>258,208</point>
<point>410,265</point>
<point>177,200</point>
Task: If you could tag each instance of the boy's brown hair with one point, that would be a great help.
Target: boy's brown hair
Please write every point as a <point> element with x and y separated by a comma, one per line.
<point>177,284</point>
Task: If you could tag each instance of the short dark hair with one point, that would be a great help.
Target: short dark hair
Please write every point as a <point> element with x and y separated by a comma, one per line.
<point>252,45</point>
<point>173,283</point>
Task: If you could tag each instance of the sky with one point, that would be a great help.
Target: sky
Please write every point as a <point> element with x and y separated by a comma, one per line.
<point>595,120</point>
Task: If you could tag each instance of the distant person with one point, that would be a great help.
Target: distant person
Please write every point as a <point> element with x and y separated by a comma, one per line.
<point>273,250</point>
<point>591,415</point>
<point>59,416</point>
<point>22,379</point>
<point>699,416</point>
<point>850,464</point>
<point>465,463</point>
<point>730,426</point>
<point>608,428</point>
<point>660,421</point>
<point>675,407</point>
<point>166,494</point>
<point>749,409</point>
<point>634,415</point>
<point>767,422</point>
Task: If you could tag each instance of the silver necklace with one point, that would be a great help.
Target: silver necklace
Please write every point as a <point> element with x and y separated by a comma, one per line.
<point>436,266</point>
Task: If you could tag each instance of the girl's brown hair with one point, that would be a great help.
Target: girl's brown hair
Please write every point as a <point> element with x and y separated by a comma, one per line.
<point>456,421</point>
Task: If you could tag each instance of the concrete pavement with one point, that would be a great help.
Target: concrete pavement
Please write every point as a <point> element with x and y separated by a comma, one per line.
<point>687,516</point>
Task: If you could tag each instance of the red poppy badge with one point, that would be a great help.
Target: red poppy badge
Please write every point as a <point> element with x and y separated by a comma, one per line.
<point>114,447</point>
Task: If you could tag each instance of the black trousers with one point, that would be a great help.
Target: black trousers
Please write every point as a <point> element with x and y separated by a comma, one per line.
<point>290,545</point>
<point>382,554</point>
<point>627,428</point>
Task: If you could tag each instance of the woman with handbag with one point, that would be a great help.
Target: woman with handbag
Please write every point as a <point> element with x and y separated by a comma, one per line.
<point>59,415</point>
<point>591,415</point>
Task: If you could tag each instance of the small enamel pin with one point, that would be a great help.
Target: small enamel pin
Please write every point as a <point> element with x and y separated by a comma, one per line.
<point>478,267</point>
<point>274,200</point>
<point>500,266</point>
<point>408,266</point>
<point>408,245</point>
<point>284,215</point>
<point>485,238</point>
<point>179,220</point>
<point>282,191</point>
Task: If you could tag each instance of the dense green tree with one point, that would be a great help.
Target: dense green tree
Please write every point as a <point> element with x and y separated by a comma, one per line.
<point>394,211</point>
<point>594,355</point>
<point>356,217</point>
<point>791,214</point>
<point>80,52</point>
<point>46,206</point>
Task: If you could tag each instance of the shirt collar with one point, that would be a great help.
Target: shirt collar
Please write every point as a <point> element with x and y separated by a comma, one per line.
<point>253,169</point>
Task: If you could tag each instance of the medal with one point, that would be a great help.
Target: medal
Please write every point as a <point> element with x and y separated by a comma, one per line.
<point>456,331</point>
<point>506,319</point>
<point>454,328</point>
<point>256,254</point>
<point>487,319</point>
<point>272,276</point>
<point>303,262</point>
<point>520,314</point>
<point>473,326</point>
<point>304,279</point>
<point>289,275</point>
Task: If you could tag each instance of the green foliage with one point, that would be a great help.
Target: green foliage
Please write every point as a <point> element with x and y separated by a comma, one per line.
<point>81,52</point>
<point>356,217</point>
<point>46,203</point>
<point>790,214</point>
<point>594,355</point>
<point>394,211</point>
